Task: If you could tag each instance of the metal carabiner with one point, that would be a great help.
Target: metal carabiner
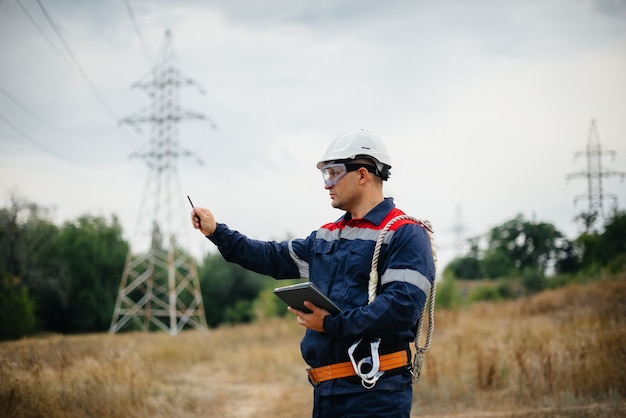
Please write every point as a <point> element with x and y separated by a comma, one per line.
<point>368,378</point>
<point>416,367</point>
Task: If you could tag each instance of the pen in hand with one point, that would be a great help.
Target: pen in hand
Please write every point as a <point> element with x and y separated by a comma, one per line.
<point>193,207</point>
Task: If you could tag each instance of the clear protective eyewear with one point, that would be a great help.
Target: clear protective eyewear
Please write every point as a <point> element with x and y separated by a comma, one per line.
<point>333,172</point>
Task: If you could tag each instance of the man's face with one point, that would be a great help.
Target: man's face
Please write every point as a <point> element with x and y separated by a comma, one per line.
<point>343,193</point>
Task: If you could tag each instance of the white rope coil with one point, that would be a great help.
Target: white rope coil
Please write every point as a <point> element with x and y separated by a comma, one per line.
<point>430,302</point>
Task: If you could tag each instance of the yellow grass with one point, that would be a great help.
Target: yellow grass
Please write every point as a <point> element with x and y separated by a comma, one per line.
<point>559,354</point>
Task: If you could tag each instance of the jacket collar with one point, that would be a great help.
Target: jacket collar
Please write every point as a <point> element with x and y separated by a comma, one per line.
<point>377,214</point>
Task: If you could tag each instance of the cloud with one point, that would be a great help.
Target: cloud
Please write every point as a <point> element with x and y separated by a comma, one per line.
<point>482,104</point>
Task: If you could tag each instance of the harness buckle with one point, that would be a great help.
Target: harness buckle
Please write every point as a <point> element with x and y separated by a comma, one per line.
<point>368,368</point>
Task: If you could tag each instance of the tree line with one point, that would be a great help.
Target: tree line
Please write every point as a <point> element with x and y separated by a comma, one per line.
<point>524,256</point>
<point>65,278</point>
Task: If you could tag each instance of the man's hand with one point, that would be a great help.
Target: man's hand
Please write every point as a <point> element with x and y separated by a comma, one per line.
<point>202,219</point>
<point>314,320</point>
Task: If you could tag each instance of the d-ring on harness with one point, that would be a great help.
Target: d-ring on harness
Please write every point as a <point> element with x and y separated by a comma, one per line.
<point>369,378</point>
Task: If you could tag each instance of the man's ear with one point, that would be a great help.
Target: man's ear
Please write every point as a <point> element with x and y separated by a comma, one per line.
<point>363,173</point>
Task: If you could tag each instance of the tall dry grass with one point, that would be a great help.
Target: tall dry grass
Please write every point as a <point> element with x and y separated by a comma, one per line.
<point>235,371</point>
<point>558,354</point>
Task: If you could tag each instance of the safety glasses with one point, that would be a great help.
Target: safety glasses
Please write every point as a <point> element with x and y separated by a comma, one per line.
<point>334,172</point>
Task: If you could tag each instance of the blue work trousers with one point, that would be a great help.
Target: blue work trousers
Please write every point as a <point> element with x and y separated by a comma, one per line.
<point>373,404</point>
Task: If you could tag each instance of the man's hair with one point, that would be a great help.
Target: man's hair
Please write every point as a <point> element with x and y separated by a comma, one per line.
<point>367,160</point>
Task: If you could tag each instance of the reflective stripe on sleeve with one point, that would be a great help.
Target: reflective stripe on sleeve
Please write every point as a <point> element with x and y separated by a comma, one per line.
<point>303,266</point>
<point>408,276</point>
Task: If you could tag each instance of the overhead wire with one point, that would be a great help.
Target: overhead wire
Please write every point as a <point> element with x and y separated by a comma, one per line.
<point>31,139</point>
<point>34,115</point>
<point>131,15</point>
<point>40,29</point>
<point>77,64</point>
<point>70,57</point>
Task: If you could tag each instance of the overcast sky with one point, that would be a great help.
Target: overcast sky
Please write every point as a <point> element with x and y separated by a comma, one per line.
<point>482,105</point>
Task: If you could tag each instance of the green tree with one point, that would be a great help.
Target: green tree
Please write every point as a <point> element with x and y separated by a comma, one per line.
<point>16,308</point>
<point>97,252</point>
<point>521,245</point>
<point>614,236</point>
<point>447,296</point>
<point>570,260</point>
<point>228,290</point>
<point>497,263</point>
<point>588,220</point>
<point>468,268</point>
<point>78,272</point>
<point>607,248</point>
<point>24,231</point>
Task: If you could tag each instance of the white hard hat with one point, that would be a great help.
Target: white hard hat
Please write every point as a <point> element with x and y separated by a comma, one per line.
<point>358,143</point>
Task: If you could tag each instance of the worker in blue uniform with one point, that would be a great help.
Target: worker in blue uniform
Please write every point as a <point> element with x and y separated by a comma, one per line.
<point>360,358</point>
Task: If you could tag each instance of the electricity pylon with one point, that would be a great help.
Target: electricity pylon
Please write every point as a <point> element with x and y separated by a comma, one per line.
<point>594,174</point>
<point>160,288</point>
<point>459,231</point>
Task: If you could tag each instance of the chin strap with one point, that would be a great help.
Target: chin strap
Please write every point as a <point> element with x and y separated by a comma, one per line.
<point>369,379</point>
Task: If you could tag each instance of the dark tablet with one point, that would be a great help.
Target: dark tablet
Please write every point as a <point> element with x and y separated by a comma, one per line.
<point>296,294</point>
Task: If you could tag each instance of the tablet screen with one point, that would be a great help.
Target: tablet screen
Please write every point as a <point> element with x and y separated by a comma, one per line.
<point>295,295</point>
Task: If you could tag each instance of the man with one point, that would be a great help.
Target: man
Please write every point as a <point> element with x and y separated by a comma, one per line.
<point>368,343</point>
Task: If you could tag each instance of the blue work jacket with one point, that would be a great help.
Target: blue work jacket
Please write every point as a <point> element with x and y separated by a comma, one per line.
<point>337,258</point>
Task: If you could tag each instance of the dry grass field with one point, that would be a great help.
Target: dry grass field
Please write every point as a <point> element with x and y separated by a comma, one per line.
<point>561,353</point>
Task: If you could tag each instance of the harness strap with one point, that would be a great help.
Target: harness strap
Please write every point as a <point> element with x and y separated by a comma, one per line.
<point>391,361</point>
<point>430,300</point>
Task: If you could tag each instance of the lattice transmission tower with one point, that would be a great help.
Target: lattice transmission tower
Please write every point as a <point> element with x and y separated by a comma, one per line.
<point>594,174</point>
<point>459,232</point>
<point>160,288</point>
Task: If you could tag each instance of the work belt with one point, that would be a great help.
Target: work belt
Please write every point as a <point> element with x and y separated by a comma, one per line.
<point>388,362</point>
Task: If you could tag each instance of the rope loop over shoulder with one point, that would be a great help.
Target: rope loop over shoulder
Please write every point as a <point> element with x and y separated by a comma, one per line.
<point>374,279</point>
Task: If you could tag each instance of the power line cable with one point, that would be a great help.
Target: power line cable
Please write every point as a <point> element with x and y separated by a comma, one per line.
<point>138,32</point>
<point>76,62</point>
<point>40,30</point>
<point>54,46</point>
<point>35,115</point>
<point>31,139</point>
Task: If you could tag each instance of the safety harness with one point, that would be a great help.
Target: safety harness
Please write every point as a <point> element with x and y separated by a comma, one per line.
<point>418,360</point>
<point>374,366</point>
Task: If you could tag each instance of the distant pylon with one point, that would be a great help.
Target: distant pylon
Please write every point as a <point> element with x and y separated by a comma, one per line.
<point>459,232</point>
<point>160,289</point>
<point>594,174</point>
